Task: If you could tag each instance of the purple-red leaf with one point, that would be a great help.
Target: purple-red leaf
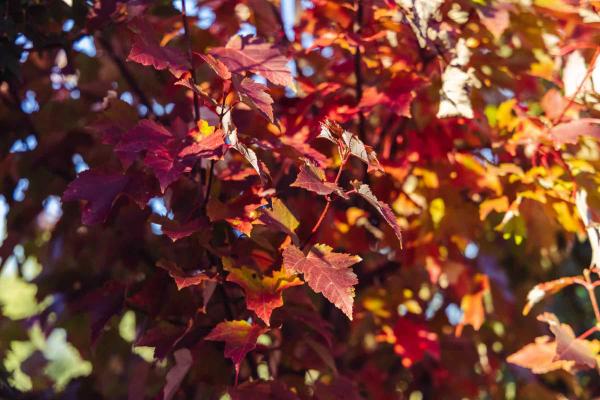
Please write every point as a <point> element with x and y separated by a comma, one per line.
<point>99,190</point>
<point>176,231</point>
<point>210,147</point>
<point>161,149</point>
<point>183,362</point>
<point>255,95</point>
<point>146,52</point>
<point>216,65</point>
<point>326,272</point>
<point>255,56</point>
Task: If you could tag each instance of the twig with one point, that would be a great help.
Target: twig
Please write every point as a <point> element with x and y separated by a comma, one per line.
<point>358,71</point>
<point>574,96</point>
<point>186,32</point>
<point>211,170</point>
<point>589,332</point>
<point>317,225</point>
<point>590,287</point>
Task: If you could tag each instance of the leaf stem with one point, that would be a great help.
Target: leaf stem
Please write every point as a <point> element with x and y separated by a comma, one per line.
<point>589,332</point>
<point>319,222</point>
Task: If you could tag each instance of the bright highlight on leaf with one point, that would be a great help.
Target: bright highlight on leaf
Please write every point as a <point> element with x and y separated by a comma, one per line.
<point>239,337</point>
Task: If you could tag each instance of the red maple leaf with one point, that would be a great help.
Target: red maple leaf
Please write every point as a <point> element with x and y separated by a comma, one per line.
<point>263,293</point>
<point>326,272</point>
<point>239,337</point>
<point>242,55</point>
<point>256,96</point>
<point>312,178</point>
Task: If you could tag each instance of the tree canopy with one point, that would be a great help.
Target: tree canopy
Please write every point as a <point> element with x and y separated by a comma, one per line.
<point>285,199</point>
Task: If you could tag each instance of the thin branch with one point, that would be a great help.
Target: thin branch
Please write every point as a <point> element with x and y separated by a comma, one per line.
<point>583,81</point>
<point>590,287</point>
<point>589,332</point>
<point>186,32</point>
<point>211,170</point>
<point>358,71</point>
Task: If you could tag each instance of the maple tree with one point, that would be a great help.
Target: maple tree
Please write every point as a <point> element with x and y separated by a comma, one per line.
<point>279,199</point>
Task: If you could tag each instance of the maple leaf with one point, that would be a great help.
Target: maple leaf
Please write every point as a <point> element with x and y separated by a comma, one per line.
<point>161,149</point>
<point>326,272</point>
<point>176,231</point>
<point>349,143</point>
<point>568,347</point>
<point>216,65</point>
<point>149,53</point>
<point>539,357</point>
<point>182,278</point>
<point>413,341</point>
<point>100,190</point>
<point>386,212</point>
<point>472,305</point>
<point>262,390</point>
<point>246,54</point>
<point>231,137</point>
<point>454,94</point>
<point>569,132</point>
<point>280,217</point>
<point>183,362</point>
<point>164,337</point>
<point>312,178</point>
<point>240,338</point>
<point>101,305</point>
<point>255,95</point>
<point>209,147</point>
<point>541,290</point>
<point>263,293</point>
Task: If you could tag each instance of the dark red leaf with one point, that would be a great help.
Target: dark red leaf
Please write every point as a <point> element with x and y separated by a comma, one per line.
<point>182,278</point>
<point>183,362</point>
<point>100,190</point>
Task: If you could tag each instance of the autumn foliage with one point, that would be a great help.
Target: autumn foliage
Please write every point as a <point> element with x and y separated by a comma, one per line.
<point>279,199</point>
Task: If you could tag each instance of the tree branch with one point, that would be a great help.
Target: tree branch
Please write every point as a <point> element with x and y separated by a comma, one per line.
<point>125,73</point>
<point>358,72</point>
<point>186,32</point>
